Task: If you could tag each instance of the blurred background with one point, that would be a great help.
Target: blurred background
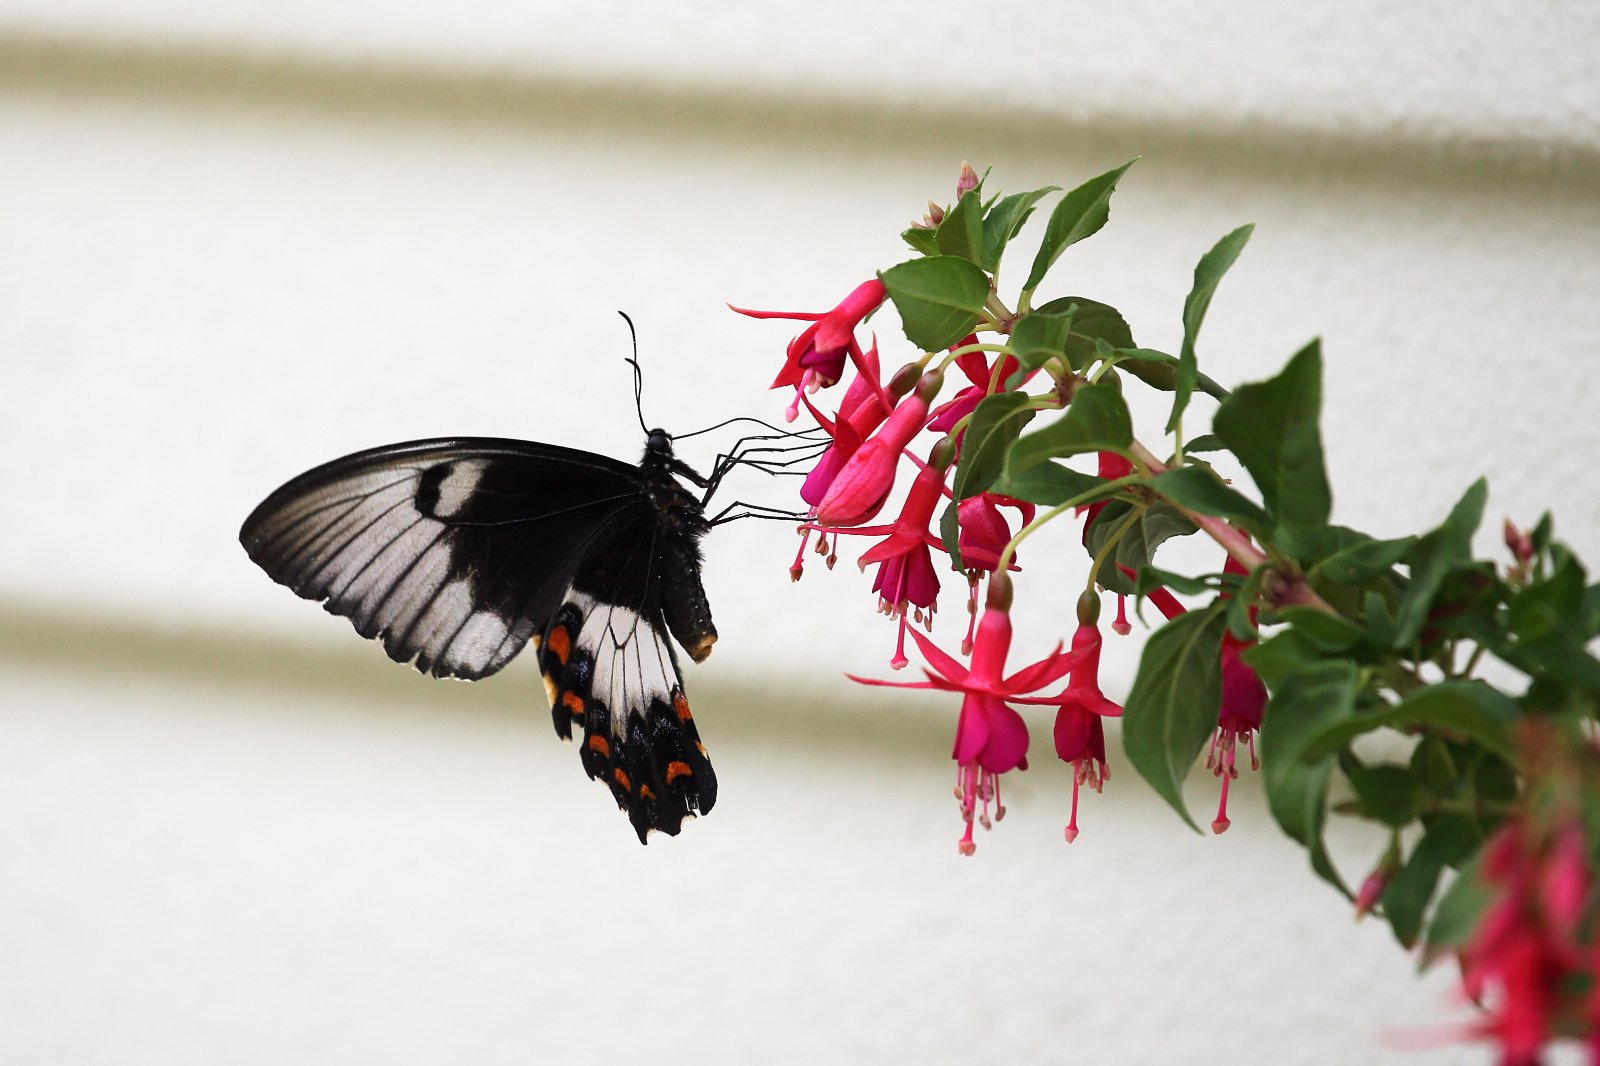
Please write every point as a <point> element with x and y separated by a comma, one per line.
<point>238,239</point>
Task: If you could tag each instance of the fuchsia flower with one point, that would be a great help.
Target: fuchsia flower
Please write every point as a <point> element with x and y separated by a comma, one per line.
<point>984,535</point>
<point>991,737</point>
<point>975,365</point>
<point>907,580</point>
<point>816,357</point>
<point>862,485</point>
<point>1244,701</point>
<point>1526,952</point>
<point>1080,733</point>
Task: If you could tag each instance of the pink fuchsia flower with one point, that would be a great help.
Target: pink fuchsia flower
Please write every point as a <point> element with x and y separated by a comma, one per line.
<point>976,367</point>
<point>984,535</point>
<point>991,737</point>
<point>862,485</point>
<point>1080,734</point>
<point>816,357</point>
<point>1244,702</point>
<point>1525,958</point>
<point>907,580</point>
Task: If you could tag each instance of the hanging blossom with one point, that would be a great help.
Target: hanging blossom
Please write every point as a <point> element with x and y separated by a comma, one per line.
<point>862,485</point>
<point>1244,701</point>
<point>815,359</point>
<point>991,737</point>
<point>1080,733</point>
<point>1526,957</point>
<point>907,583</point>
<point>982,540</point>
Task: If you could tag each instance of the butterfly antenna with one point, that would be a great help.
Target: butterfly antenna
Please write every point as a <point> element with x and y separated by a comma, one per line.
<point>638,375</point>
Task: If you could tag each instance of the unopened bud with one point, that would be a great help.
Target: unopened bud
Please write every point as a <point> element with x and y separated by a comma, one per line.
<point>943,453</point>
<point>998,598</point>
<point>929,385</point>
<point>1519,542</point>
<point>1088,607</point>
<point>935,214</point>
<point>967,180</point>
<point>904,380</point>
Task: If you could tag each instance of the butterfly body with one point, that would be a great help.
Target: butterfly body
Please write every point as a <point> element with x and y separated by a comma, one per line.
<point>456,553</point>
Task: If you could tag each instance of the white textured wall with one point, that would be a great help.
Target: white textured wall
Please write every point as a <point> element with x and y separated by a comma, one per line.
<point>237,239</point>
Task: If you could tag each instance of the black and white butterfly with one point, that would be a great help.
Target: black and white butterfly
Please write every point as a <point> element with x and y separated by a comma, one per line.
<point>455,553</point>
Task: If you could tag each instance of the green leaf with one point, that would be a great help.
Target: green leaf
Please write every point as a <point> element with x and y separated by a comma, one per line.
<point>950,534</point>
<point>995,424</point>
<point>1172,707</point>
<point>1201,490</point>
<point>1080,214</point>
<point>1386,792</point>
<point>1456,917</point>
<point>960,233</point>
<point>1051,485</point>
<point>1157,523</point>
<point>1362,560</point>
<point>1205,442</point>
<point>1150,578</point>
<point>1092,321</point>
<point>1160,371</point>
<point>1305,705</point>
<point>921,239</point>
<point>1004,221</point>
<point>1433,767</point>
<point>1467,707</point>
<point>939,298</point>
<point>1447,841</point>
<point>1284,653</point>
<point>1330,632</point>
<point>1271,427</point>
<point>1207,274</point>
<point>1096,421</point>
<point>1431,560</point>
<point>1038,337</point>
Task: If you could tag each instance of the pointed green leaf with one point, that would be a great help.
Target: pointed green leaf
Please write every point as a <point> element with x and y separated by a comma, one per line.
<point>950,534</point>
<point>1096,421</point>
<point>939,298</point>
<point>1080,214</point>
<point>1092,321</point>
<point>1172,707</point>
<point>1004,221</point>
<point>1432,558</point>
<point>921,240</point>
<point>1160,371</point>
<point>961,231</point>
<point>1207,273</point>
<point>1201,490</point>
<point>995,424</point>
<point>1305,704</point>
<point>1037,338</point>
<point>1362,560</point>
<point>1460,909</point>
<point>1448,840</point>
<point>1271,427</point>
<point>1052,484</point>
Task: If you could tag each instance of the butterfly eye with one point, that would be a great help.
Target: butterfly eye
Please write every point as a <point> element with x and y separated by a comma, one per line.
<point>660,442</point>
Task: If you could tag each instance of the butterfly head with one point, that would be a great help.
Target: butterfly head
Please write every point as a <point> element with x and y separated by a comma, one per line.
<point>660,443</point>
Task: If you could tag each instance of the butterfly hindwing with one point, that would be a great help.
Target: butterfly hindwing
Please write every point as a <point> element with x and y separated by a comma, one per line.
<point>452,552</point>
<point>610,670</point>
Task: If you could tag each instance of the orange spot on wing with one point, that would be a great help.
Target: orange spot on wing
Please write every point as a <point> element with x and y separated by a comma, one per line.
<point>676,770</point>
<point>645,793</point>
<point>560,644</point>
<point>573,703</point>
<point>680,705</point>
<point>621,778</point>
<point>600,744</point>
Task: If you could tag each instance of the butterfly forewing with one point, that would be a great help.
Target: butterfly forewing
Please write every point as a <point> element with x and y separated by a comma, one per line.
<point>452,552</point>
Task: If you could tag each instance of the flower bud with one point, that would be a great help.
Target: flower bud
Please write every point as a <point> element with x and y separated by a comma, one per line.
<point>1088,607</point>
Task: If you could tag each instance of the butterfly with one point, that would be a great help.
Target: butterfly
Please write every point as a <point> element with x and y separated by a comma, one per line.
<point>457,553</point>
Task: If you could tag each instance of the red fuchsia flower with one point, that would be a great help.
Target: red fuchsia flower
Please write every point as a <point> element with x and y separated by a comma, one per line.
<point>991,737</point>
<point>816,357</point>
<point>862,485</point>
<point>1080,732</point>
<point>975,365</point>
<point>984,535</point>
<point>907,581</point>
<point>1526,955</point>
<point>1244,701</point>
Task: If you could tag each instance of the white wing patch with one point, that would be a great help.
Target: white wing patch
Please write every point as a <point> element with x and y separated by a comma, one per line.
<point>632,663</point>
<point>362,546</point>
